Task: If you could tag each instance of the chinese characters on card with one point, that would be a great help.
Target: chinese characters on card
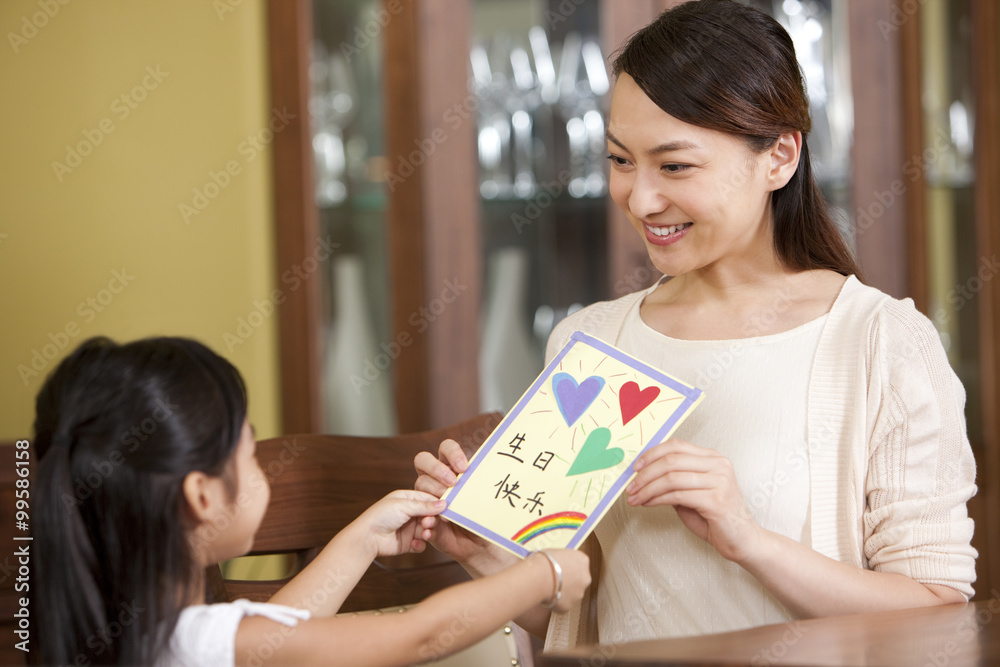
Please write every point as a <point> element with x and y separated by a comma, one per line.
<point>564,453</point>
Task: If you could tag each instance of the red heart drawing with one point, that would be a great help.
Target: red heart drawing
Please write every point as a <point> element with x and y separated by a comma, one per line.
<point>634,401</point>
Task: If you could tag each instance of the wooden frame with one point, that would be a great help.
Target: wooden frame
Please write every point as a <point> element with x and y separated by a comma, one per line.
<point>878,153</point>
<point>433,216</point>
<point>629,268</point>
<point>986,76</point>
<point>296,216</point>
<point>915,200</point>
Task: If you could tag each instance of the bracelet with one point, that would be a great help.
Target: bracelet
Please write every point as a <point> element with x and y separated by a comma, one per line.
<point>557,571</point>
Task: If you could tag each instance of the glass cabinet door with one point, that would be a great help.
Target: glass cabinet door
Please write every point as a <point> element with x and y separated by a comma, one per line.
<point>345,109</point>
<point>542,84</point>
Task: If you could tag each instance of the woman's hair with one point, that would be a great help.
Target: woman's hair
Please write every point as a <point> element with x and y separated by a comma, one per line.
<point>724,66</point>
<point>117,429</point>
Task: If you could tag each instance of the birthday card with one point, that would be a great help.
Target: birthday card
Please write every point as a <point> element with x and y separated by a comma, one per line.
<point>559,459</point>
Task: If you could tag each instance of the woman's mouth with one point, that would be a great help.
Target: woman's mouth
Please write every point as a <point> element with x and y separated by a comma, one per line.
<point>663,235</point>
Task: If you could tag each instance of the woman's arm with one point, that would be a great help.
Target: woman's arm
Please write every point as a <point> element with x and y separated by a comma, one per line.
<point>444,623</point>
<point>811,584</point>
<point>920,474</point>
<point>701,485</point>
<point>389,527</point>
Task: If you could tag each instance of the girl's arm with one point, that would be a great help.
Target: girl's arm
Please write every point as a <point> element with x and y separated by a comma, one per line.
<point>479,557</point>
<point>387,528</point>
<point>444,623</point>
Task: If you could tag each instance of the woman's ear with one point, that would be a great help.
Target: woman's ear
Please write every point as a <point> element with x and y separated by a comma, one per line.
<point>784,157</point>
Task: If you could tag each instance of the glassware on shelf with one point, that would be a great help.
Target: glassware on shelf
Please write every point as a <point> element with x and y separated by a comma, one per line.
<point>523,97</point>
<point>816,29</point>
<point>820,34</point>
<point>358,387</point>
<point>541,87</point>
<point>345,109</point>
<point>509,359</point>
<point>332,105</point>
<point>494,138</point>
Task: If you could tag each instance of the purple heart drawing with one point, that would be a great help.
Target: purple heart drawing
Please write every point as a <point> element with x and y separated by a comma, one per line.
<point>574,399</point>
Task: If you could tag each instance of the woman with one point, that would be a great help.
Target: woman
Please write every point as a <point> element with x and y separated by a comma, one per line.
<point>827,470</point>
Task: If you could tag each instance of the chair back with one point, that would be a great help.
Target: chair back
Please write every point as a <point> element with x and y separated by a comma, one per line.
<point>320,483</point>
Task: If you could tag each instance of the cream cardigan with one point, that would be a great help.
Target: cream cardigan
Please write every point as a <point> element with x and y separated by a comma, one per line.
<point>890,465</point>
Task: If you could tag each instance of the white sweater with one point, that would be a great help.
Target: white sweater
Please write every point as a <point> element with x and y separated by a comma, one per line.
<point>890,465</point>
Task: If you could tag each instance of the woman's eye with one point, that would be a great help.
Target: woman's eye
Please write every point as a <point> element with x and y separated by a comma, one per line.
<point>675,168</point>
<point>620,161</point>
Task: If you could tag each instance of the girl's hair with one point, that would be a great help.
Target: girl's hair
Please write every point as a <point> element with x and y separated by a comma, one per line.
<point>724,66</point>
<point>117,429</point>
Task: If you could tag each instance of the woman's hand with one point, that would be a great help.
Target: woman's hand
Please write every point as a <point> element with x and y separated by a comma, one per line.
<point>575,568</point>
<point>437,475</point>
<point>393,523</point>
<point>701,485</point>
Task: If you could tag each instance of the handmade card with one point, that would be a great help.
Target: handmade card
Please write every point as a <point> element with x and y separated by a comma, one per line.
<point>559,459</point>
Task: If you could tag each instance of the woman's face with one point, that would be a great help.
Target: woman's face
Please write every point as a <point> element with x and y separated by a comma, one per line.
<point>698,198</point>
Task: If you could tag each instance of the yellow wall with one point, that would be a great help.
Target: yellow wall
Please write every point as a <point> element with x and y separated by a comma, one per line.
<point>64,234</point>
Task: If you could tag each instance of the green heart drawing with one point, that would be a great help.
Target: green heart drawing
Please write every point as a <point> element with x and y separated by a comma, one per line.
<point>595,455</point>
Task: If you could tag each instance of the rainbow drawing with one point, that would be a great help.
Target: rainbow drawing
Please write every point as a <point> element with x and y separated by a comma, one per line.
<point>571,520</point>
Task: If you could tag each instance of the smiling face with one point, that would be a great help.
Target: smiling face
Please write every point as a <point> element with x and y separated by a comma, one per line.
<point>698,198</point>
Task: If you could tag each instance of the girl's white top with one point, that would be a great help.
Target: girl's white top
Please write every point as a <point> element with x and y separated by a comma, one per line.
<point>206,634</point>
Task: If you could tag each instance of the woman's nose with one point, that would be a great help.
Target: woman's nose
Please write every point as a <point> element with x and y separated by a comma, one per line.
<point>647,198</point>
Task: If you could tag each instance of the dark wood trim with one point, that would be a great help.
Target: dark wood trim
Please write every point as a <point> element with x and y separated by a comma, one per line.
<point>878,152</point>
<point>913,144</point>
<point>405,216</point>
<point>296,217</point>
<point>433,220</point>
<point>986,76</point>
<point>452,222</point>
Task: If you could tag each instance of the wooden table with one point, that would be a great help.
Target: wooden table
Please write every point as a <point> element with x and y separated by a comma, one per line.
<point>958,635</point>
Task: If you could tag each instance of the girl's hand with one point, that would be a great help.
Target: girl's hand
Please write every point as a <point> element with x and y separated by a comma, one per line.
<point>393,523</point>
<point>701,485</point>
<point>437,475</point>
<point>575,575</point>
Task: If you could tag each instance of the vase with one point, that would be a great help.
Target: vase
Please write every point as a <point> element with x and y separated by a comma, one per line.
<point>357,379</point>
<point>509,360</point>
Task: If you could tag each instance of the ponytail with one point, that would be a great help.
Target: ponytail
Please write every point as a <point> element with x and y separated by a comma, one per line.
<point>66,592</point>
<point>805,235</point>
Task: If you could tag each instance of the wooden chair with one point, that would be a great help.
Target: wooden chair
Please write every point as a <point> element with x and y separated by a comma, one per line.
<point>320,483</point>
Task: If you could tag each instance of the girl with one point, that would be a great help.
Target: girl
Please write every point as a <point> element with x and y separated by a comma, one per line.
<point>145,450</point>
<point>828,468</point>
